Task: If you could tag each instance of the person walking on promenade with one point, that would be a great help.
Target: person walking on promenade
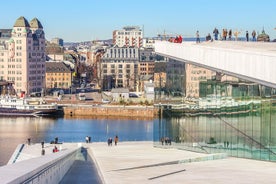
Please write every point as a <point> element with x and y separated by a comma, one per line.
<point>109,141</point>
<point>56,140</point>
<point>247,36</point>
<point>197,37</point>
<point>216,33</point>
<point>86,139</point>
<point>254,36</point>
<point>116,139</point>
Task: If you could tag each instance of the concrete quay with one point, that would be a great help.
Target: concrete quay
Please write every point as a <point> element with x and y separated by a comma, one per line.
<point>141,162</point>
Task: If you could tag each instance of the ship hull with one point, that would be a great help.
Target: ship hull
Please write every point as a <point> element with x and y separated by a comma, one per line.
<point>19,112</point>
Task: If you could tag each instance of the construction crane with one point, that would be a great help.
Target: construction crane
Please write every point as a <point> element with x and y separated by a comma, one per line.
<point>165,36</point>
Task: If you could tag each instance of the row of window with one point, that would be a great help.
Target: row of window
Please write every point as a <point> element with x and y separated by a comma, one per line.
<point>130,33</point>
<point>119,66</point>
<point>59,74</point>
<point>198,78</point>
<point>14,60</point>
<point>13,66</point>
<point>36,66</point>
<point>198,72</point>
<point>18,72</point>
<point>58,79</point>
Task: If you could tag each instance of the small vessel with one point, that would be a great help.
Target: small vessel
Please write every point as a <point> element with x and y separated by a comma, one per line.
<point>14,106</point>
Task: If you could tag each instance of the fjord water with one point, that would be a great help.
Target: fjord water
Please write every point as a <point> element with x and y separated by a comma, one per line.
<point>17,130</point>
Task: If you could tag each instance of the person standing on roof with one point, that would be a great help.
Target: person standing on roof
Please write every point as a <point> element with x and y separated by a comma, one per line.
<point>180,39</point>
<point>216,33</point>
<point>197,37</point>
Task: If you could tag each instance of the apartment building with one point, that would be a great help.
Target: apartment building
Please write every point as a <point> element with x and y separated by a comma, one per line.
<point>119,68</point>
<point>130,36</point>
<point>22,56</point>
<point>146,62</point>
<point>58,75</point>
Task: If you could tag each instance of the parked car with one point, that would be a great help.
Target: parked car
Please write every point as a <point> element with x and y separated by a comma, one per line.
<point>133,95</point>
<point>105,101</point>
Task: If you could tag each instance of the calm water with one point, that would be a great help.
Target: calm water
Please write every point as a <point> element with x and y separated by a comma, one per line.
<point>14,131</point>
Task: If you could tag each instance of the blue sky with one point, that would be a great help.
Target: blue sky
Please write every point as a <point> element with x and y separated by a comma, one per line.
<point>83,20</point>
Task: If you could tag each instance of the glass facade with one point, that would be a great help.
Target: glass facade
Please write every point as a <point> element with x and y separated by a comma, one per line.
<point>228,115</point>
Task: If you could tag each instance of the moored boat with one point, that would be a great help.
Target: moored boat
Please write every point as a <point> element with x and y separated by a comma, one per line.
<point>26,106</point>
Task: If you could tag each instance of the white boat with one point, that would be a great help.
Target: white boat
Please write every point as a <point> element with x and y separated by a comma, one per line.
<point>26,106</point>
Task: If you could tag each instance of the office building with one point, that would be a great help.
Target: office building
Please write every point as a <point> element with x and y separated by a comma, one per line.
<point>130,36</point>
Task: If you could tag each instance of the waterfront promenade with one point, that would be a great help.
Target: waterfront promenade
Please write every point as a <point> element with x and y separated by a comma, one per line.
<point>141,162</point>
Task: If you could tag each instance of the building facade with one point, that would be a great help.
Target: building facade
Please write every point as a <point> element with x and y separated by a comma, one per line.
<point>130,36</point>
<point>58,75</point>
<point>22,56</point>
<point>119,68</point>
<point>146,62</point>
<point>57,41</point>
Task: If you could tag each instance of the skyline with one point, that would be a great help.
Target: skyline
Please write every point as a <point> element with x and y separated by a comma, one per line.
<point>76,21</point>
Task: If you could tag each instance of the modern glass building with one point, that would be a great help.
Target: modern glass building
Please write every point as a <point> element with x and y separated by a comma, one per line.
<point>227,115</point>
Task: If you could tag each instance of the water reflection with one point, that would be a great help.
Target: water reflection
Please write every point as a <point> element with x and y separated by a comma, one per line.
<point>14,131</point>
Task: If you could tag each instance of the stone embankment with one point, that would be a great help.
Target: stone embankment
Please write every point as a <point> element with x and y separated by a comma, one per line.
<point>93,106</point>
<point>111,110</point>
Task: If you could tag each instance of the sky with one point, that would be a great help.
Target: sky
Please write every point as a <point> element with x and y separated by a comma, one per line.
<point>86,20</point>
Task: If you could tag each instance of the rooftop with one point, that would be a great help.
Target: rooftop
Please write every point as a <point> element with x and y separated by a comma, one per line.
<point>35,23</point>
<point>21,22</point>
<point>57,67</point>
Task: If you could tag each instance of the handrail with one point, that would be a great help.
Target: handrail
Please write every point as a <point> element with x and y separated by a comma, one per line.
<point>39,173</point>
<point>247,136</point>
<point>49,168</point>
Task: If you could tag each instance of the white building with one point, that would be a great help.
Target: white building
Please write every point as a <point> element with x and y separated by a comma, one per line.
<point>128,36</point>
<point>57,41</point>
<point>22,56</point>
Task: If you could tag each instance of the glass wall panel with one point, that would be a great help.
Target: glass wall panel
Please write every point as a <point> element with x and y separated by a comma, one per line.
<point>217,113</point>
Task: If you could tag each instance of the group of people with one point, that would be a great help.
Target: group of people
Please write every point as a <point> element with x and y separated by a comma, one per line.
<point>87,139</point>
<point>109,141</point>
<point>177,39</point>
<point>166,140</point>
<point>225,33</point>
